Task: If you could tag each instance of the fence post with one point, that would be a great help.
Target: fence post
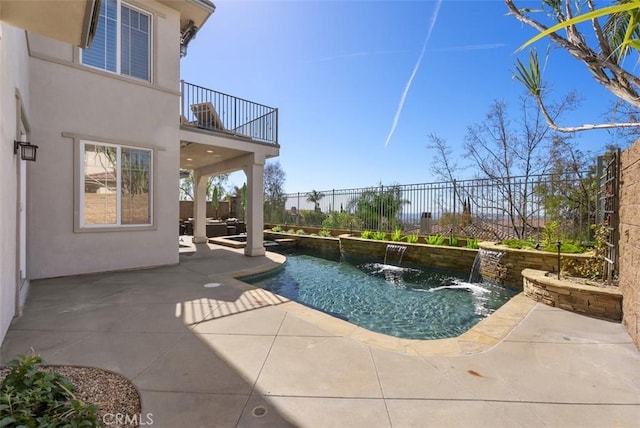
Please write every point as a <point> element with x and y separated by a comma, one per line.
<point>380,214</point>
<point>333,200</point>
<point>455,213</point>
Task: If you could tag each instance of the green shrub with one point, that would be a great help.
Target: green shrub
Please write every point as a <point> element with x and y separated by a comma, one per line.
<point>299,232</point>
<point>276,229</point>
<point>571,247</point>
<point>291,231</point>
<point>545,245</point>
<point>380,236</point>
<point>435,239</point>
<point>472,243</point>
<point>412,239</point>
<point>311,217</point>
<point>30,397</point>
<point>593,267</point>
<point>366,234</point>
<point>519,243</point>
<point>396,235</point>
<point>453,241</point>
<point>324,233</point>
<point>341,220</point>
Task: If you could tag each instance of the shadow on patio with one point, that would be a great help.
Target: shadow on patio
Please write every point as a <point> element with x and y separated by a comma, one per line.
<point>152,326</point>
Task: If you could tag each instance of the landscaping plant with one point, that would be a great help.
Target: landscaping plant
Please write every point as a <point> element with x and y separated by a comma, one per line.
<point>412,239</point>
<point>593,268</point>
<point>453,241</point>
<point>380,236</point>
<point>276,229</point>
<point>472,243</point>
<point>33,398</point>
<point>324,233</point>
<point>366,234</point>
<point>299,232</point>
<point>396,235</point>
<point>435,239</point>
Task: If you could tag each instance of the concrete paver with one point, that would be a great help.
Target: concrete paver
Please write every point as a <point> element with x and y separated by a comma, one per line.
<point>229,355</point>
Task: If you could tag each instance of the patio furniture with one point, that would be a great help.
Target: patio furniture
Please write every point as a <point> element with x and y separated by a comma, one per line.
<point>207,116</point>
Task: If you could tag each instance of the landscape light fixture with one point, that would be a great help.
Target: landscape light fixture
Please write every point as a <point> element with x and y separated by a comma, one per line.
<point>27,150</point>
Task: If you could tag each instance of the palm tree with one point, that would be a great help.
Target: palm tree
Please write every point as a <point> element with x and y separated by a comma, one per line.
<point>314,197</point>
<point>379,208</point>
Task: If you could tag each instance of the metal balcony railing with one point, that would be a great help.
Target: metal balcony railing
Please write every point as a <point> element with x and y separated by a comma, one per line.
<point>204,108</point>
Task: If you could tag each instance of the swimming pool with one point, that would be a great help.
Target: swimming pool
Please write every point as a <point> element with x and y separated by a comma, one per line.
<point>406,302</point>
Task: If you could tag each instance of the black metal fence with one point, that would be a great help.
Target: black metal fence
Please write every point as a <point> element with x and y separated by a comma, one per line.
<point>215,111</point>
<point>517,207</point>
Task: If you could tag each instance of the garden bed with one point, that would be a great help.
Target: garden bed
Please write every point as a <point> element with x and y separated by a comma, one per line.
<point>504,265</point>
<point>602,302</point>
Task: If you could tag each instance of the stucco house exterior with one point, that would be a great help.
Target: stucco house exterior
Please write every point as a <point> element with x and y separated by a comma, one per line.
<point>95,84</point>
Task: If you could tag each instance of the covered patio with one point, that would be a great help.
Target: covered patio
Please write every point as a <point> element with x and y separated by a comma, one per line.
<point>220,134</point>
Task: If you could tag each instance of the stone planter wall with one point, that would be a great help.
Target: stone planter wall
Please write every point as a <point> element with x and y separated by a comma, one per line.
<point>507,269</point>
<point>585,299</point>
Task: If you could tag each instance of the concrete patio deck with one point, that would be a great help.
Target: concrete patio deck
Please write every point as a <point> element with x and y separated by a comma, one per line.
<point>229,355</point>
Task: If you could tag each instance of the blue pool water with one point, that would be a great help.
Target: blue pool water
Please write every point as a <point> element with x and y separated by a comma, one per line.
<point>406,302</point>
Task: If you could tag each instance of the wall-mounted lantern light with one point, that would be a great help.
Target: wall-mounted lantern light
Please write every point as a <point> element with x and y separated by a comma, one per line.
<point>186,34</point>
<point>27,150</point>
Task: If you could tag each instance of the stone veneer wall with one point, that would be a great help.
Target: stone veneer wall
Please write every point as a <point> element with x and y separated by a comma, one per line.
<point>629,245</point>
<point>582,298</point>
<point>507,270</point>
<point>438,256</point>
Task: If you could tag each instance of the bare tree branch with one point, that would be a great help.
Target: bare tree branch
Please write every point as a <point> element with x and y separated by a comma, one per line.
<point>602,66</point>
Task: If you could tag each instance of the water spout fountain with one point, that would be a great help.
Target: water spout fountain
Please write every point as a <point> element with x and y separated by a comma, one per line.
<point>393,249</point>
<point>490,258</point>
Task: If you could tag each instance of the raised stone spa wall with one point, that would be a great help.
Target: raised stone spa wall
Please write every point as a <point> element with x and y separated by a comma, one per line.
<point>507,268</point>
<point>582,298</point>
<point>319,242</point>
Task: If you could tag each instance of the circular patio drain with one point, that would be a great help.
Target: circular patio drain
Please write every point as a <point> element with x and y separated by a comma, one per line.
<point>212,285</point>
<point>259,411</point>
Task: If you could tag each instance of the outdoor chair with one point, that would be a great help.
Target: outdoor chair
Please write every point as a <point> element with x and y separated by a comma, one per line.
<point>207,116</point>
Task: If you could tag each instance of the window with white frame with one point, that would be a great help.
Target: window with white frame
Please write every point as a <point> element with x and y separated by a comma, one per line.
<point>122,43</point>
<point>116,188</point>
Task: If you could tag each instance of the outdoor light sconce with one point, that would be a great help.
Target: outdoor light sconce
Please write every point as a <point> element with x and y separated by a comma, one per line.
<point>27,150</point>
<point>186,34</point>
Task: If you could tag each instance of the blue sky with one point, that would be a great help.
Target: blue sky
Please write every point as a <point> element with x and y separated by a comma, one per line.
<point>337,72</point>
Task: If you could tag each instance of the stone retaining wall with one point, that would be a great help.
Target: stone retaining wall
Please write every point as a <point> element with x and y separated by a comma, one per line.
<point>456,258</point>
<point>581,298</point>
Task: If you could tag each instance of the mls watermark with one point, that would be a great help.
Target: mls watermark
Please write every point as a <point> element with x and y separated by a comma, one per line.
<point>126,419</point>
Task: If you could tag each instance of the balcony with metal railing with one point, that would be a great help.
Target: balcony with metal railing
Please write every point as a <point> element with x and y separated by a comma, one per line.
<point>206,109</point>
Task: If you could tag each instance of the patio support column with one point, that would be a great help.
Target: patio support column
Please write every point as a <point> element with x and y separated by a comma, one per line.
<point>255,206</point>
<point>199,208</point>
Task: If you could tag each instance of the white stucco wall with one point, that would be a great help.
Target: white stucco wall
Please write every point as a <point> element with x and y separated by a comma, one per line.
<point>68,98</point>
<point>13,75</point>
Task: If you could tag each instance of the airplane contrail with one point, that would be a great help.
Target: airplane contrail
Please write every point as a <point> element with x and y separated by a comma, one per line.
<point>432,24</point>
<point>351,55</point>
